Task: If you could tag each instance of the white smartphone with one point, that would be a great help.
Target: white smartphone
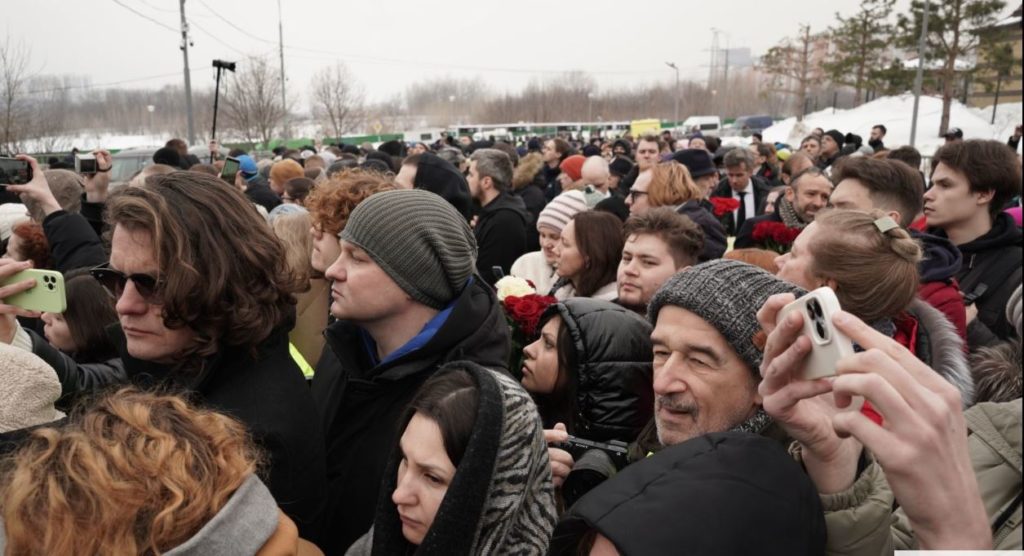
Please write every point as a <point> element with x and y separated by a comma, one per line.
<point>828,344</point>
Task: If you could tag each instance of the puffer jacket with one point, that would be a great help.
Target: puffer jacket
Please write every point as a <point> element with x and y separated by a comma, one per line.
<point>614,393</point>
<point>860,519</point>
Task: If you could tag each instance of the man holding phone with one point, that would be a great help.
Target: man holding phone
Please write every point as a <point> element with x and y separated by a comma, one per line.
<point>227,347</point>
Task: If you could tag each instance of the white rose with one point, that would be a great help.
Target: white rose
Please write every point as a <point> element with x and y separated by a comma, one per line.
<point>513,285</point>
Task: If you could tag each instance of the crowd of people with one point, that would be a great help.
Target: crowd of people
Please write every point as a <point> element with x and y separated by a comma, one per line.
<point>316,355</point>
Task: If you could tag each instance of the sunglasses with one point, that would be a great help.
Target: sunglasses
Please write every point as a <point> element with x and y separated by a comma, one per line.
<point>114,281</point>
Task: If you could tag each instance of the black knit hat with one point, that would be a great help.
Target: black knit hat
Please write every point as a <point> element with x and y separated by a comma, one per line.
<point>620,166</point>
<point>697,161</point>
<point>727,294</point>
<point>836,136</point>
<point>168,156</point>
<point>437,175</point>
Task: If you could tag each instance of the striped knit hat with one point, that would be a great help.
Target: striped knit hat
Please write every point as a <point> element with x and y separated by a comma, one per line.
<point>419,240</point>
<point>557,214</point>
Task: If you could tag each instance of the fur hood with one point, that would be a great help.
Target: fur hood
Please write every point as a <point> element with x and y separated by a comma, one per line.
<point>942,349</point>
<point>527,169</point>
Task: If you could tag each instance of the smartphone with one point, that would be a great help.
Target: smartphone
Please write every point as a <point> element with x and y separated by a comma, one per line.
<point>231,166</point>
<point>828,344</point>
<point>46,296</point>
<point>14,171</point>
<point>85,164</point>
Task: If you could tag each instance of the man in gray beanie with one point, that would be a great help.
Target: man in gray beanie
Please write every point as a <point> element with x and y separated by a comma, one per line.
<point>707,352</point>
<point>407,300</point>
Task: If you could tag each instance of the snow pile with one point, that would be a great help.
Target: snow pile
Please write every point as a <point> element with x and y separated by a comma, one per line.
<point>896,113</point>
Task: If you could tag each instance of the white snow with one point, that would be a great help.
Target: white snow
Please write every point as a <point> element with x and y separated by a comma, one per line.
<point>896,112</point>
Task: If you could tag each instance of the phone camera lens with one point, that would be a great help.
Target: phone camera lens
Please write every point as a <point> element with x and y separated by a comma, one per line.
<point>820,328</point>
<point>50,286</point>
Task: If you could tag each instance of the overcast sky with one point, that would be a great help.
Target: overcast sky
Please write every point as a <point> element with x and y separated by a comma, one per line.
<point>389,45</point>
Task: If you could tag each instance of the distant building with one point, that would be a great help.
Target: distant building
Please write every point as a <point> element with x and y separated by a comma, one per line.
<point>985,81</point>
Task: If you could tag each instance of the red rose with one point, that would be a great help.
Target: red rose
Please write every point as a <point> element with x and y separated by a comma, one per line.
<point>785,235</point>
<point>723,205</point>
<point>766,230</point>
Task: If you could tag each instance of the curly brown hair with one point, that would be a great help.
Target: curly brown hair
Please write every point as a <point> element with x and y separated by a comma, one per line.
<point>331,203</point>
<point>221,271</point>
<point>134,473</point>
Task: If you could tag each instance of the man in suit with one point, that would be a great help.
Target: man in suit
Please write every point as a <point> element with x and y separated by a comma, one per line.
<point>808,193</point>
<point>741,184</point>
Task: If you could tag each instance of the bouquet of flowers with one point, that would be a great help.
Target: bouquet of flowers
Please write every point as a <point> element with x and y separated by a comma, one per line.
<point>775,236</point>
<point>523,307</point>
<point>723,205</point>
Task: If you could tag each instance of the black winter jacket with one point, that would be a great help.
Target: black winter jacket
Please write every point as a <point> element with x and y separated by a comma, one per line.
<point>715,241</point>
<point>73,241</point>
<point>258,191</point>
<point>500,235</point>
<point>719,494</point>
<point>532,195</point>
<point>614,396</point>
<point>990,271</point>
<point>267,393</point>
<point>361,403</point>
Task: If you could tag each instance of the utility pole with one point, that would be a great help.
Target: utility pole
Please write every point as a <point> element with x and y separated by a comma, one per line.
<point>675,121</point>
<point>188,78</point>
<point>920,73</point>
<point>280,48</point>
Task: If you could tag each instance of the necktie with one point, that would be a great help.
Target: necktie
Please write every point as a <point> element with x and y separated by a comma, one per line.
<point>741,213</point>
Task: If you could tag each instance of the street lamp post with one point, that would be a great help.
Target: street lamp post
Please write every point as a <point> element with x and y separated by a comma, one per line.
<point>672,65</point>
<point>451,109</point>
<point>150,108</point>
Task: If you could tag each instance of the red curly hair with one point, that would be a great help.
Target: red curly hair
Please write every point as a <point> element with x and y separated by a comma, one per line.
<point>34,246</point>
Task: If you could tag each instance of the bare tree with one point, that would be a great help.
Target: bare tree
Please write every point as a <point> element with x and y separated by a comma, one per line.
<point>252,100</point>
<point>791,67</point>
<point>14,112</point>
<point>337,98</point>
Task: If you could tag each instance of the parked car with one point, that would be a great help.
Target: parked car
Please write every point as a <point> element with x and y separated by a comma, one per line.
<point>744,126</point>
<point>707,125</point>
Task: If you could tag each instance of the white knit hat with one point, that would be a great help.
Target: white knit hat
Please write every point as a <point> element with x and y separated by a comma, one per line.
<point>557,214</point>
<point>28,389</point>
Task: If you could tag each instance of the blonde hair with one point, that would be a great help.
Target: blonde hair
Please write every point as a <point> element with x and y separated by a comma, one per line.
<point>293,231</point>
<point>135,473</point>
<point>671,185</point>
<point>875,272</point>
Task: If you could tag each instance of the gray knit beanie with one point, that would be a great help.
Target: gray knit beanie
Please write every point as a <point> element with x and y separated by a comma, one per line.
<point>727,294</point>
<point>419,240</point>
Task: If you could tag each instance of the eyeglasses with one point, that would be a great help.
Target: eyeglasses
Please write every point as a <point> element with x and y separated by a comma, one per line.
<point>114,281</point>
<point>634,194</point>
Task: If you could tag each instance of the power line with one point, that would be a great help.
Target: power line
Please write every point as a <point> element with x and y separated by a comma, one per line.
<point>215,37</point>
<point>110,84</point>
<point>237,28</point>
<point>144,16</point>
<point>417,63</point>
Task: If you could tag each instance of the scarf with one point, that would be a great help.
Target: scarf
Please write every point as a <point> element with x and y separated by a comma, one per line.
<point>500,501</point>
<point>789,215</point>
